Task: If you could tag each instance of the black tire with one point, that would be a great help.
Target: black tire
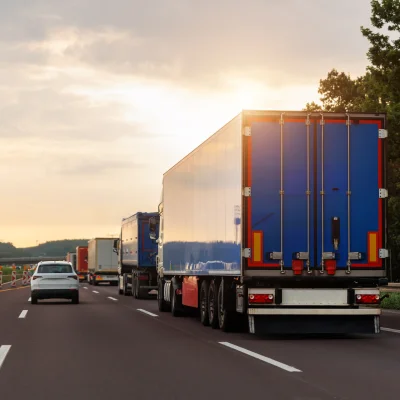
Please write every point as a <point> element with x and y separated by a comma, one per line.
<point>34,299</point>
<point>204,303</point>
<point>174,309</point>
<point>75,299</point>
<point>213,305</point>
<point>95,283</point>
<point>162,304</point>
<point>224,316</point>
<point>125,290</point>
<point>135,288</point>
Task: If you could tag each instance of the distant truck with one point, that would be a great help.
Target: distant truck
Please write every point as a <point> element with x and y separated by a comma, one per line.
<point>82,262</point>
<point>102,262</point>
<point>137,254</point>
<point>71,257</point>
<point>278,220</point>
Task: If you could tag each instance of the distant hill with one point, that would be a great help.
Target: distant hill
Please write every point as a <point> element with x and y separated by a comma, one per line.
<point>53,248</point>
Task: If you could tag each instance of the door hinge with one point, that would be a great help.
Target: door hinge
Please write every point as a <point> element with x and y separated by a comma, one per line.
<point>301,255</point>
<point>247,131</point>
<point>383,193</point>
<point>354,255</point>
<point>246,253</point>
<point>247,191</point>
<point>383,253</point>
<point>328,256</point>
<point>383,133</point>
<point>275,255</point>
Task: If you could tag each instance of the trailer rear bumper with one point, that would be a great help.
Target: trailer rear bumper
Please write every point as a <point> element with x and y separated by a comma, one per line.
<point>314,311</point>
<point>314,321</point>
<point>106,278</point>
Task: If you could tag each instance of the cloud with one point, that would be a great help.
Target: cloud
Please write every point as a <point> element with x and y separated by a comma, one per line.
<point>99,98</point>
<point>196,44</point>
<point>95,166</point>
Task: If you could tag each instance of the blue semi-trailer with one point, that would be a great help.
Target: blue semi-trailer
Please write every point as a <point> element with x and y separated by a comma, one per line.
<point>279,220</point>
<point>137,253</point>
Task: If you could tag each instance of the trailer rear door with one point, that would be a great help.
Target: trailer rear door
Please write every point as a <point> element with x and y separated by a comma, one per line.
<point>315,200</point>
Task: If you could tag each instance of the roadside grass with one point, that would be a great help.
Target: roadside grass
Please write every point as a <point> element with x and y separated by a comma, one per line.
<point>392,302</point>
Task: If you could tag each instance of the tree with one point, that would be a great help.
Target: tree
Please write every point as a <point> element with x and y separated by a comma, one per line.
<point>377,91</point>
<point>384,55</point>
<point>341,93</point>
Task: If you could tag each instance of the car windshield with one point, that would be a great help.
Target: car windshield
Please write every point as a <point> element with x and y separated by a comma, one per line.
<point>54,269</point>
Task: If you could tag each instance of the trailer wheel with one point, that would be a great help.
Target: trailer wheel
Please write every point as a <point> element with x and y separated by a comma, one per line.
<point>174,309</point>
<point>224,316</point>
<point>125,287</point>
<point>213,304</point>
<point>204,303</point>
<point>138,292</point>
<point>162,304</point>
<point>135,289</point>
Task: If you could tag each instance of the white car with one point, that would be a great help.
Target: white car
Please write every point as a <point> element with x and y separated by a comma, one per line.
<point>54,280</point>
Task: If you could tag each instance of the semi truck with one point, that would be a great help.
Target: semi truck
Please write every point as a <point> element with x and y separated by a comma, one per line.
<point>71,257</point>
<point>82,262</point>
<point>278,220</point>
<point>102,262</point>
<point>137,252</point>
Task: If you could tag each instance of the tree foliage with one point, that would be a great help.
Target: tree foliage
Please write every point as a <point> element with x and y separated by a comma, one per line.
<point>376,91</point>
<point>54,248</point>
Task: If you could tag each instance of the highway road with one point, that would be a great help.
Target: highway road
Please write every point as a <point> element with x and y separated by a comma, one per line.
<point>116,347</point>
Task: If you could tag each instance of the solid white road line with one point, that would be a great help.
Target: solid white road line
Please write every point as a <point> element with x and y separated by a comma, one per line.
<point>23,314</point>
<point>147,312</point>
<point>3,353</point>
<point>260,357</point>
<point>390,330</point>
<point>94,291</point>
<point>112,298</point>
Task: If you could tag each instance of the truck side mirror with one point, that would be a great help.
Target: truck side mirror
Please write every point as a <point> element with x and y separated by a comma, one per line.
<point>115,246</point>
<point>153,228</point>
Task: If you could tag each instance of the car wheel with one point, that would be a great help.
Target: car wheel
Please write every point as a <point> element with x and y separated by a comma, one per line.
<point>34,299</point>
<point>75,299</point>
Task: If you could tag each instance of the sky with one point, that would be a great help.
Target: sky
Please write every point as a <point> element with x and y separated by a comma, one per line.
<point>99,98</point>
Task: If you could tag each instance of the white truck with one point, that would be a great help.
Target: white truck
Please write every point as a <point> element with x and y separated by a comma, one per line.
<point>102,261</point>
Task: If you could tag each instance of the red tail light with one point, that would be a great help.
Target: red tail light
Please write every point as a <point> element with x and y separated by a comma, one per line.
<point>73,277</point>
<point>261,298</point>
<point>367,299</point>
<point>36,277</point>
<point>143,277</point>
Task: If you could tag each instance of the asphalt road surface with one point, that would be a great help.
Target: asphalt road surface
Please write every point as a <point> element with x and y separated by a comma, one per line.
<point>115,347</point>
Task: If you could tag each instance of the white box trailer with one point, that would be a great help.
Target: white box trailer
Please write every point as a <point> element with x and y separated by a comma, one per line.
<point>102,261</point>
